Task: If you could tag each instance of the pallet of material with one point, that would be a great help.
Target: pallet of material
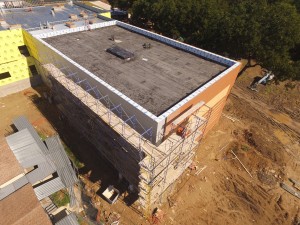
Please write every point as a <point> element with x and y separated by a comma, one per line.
<point>70,24</point>
<point>84,15</point>
<point>73,17</point>
<point>15,26</point>
<point>58,8</point>
<point>92,21</point>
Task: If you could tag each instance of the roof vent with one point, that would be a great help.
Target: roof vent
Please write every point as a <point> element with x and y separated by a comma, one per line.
<point>121,53</point>
<point>147,45</point>
<point>112,38</point>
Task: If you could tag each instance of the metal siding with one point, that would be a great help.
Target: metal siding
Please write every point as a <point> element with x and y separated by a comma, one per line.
<point>20,182</point>
<point>61,161</point>
<point>12,187</point>
<point>72,197</point>
<point>40,173</point>
<point>22,123</point>
<point>68,220</point>
<point>48,188</point>
<point>7,190</point>
<point>25,148</point>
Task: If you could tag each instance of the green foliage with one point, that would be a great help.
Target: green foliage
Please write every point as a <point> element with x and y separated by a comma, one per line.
<point>42,136</point>
<point>245,148</point>
<point>76,161</point>
<point>60,198</point>
<point>267,31</point>
<point>122,4</point>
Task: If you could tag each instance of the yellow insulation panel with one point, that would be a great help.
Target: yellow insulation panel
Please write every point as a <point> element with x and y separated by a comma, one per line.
<point>30,43</point>
<point>18,70</point>
<point>11,60</point>
<point>9,42</point>
<point>106,14</point>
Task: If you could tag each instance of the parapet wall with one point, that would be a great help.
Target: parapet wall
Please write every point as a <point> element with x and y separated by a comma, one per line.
<point>45,53</point>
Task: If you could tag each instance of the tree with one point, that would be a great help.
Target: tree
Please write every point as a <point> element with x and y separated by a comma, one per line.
<point>267,31</point>
<point>122,4</point>
<point>280,34</point>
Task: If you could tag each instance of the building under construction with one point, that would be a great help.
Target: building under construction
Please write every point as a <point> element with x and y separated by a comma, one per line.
<point>143,100</point>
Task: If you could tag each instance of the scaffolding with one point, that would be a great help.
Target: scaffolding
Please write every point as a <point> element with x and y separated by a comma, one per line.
<point>150,169</point>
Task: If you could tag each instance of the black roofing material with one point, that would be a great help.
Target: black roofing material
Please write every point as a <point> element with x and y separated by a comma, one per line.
<point>156,79</point>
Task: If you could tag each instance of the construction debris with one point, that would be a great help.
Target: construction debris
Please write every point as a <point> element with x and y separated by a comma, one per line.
<point>171,202</point>
<point>296,183</point>
<point>157,216</point>
<point>104,217</point>
<point>15,26</point>
<point>193,166</point>
<point>200,170</point>
<point>92,21</point>
<point>111,194</point>
<point>241,163</point>
<point>58,8</point>
<point>70,24</point>
<point>230,117</point>
<point>290,190</point>
<point>73,17</point>
<point>83,14</point>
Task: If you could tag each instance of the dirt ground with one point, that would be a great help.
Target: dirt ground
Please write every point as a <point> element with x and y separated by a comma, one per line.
<point>261,128</point>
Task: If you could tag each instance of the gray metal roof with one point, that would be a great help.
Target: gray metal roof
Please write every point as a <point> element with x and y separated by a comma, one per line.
<point>43,170</point>
<point>72,197</point>
<point>22,123</point>
<point>12,187</point>
<point>46,189</point>
<point>25,148</point>
<point>31,151</point>
<point>61,161</point>
<point>68,220</point>
<point>29,154</point>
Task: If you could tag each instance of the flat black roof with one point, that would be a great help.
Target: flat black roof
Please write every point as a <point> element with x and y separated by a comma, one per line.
<point>156,78</point>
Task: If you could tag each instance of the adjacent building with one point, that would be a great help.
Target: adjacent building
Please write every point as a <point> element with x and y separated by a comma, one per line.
<point>32,170</point>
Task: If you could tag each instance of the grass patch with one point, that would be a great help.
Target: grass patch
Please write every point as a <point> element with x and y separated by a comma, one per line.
<point>245,147</point>
<point>60,198</point>
<point>42,136</point>
<point>77,163</point>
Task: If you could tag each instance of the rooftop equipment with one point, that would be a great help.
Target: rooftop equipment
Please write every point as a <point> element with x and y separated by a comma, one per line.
<point>120,52</point>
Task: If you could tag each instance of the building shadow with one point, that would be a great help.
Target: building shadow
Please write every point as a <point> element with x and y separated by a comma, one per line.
<point>95,166</point>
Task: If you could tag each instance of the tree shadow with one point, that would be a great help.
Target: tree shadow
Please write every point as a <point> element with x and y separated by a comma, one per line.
<point>255,80</point>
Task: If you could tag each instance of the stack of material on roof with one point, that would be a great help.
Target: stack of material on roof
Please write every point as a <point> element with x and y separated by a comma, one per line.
<point>73,17</point>
<point>92,21</point>
<point>58,8</point>
<point>15,26</point>
<point>84,15</point>
<point>70,24</point>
